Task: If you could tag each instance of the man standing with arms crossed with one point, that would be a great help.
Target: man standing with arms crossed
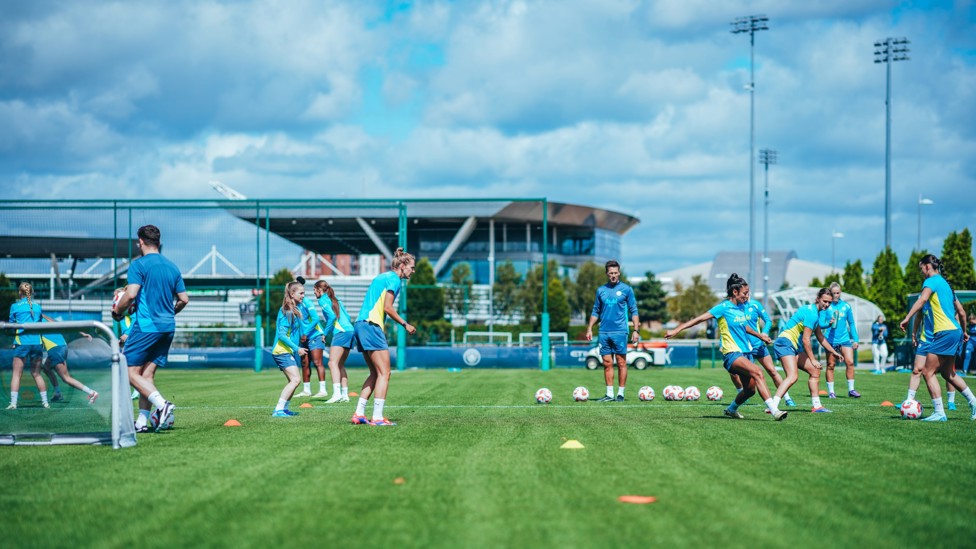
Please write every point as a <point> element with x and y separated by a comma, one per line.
<point>153,282</point>
<point>615,301</point>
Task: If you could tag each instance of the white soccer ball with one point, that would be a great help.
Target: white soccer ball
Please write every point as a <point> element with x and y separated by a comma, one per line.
<point>714,393</point>
<point>115,303</point>
<point>646,394</point>
<point>543,396</point>
<point>692,393</point>
<point>581,394</point>
<point>679,393</point>
<point>668,392</point>
<point>911,409</point>
<point>154,420</point>
<point>674,392</point>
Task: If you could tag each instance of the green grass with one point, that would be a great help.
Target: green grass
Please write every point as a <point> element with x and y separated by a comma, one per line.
<point>483,467</point>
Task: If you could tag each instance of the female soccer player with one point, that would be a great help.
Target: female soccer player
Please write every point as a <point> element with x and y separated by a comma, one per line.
<point>943,334</point>
<point>920,344</point>
<point>27,347</point>
<point>842,335</point>
<point>879,349</point>
<point>377,305</point>
<point>313,341</point>
<point>335,320</point>
<point>734,331</point>
<point>286,345</point>
<point>804,322</point>
<point>57,360</point>
<point>756,312</point>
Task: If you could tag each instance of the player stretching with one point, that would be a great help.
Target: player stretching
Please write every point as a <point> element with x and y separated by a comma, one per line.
<point>288,334</point>
<point>842,335</point>
<point>805,321</point>
<point>313,341</point>
<point>27,347</point>
<point>734,332</point>
<point>335,320</point>
<point>57,361</point>
<point>942,335</point>
<point>615,301</point>
<point>153,282</point>
<point>377,305</point>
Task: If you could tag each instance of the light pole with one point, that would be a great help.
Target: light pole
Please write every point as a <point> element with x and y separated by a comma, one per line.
<point>833,245</point>
<point>751,24</point>
<point>766,157</point>
<point>888,51</point>
<point>921,202</point>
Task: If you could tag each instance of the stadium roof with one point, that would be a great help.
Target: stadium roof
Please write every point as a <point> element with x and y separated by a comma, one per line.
<point>784,267</point>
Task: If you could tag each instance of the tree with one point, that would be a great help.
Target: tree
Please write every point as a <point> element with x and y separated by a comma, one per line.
<point>830,278</point>
<point>854,279</point>
<point>426,303</point>
<point>581,295</point>
<point>459,293</point>
<point>274,298</point>
<point>887,289</point>
<point>913,275</point>
<point>8,294</point>
<point>652,301</point>
<point>505,291</point>
<point>559,311</point>
<point>530,296</point>
<point>692,301</point>
<point>957,260</point>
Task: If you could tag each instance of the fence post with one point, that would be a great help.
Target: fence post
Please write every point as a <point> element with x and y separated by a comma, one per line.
<point>258,343</point>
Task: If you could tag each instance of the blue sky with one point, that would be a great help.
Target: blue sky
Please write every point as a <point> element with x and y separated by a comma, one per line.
<point>634,106</point>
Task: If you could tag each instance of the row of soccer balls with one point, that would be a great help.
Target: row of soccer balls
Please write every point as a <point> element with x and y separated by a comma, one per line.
<point>671,392</point>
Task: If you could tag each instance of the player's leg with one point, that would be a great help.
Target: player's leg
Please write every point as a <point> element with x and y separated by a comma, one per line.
<point>306,372</point>
<point>929,371</point>
<point>62,369</point>
<point>381,361</point>
<point>736,382</point>
<point>150,350</point>
<point>791,375</point>
<point>848,353</point>
<point>831,363</point>
<point>48,369</point>
<point>18,371</point>
<point>621,376</point>
<point>319,369</point>
<point>337,355</point>
<point>955,381</point>
<point>288,364</point>
<point>608,360</point>
<point>39,379</point>
<point>813,382</point>
<point>766,360</point>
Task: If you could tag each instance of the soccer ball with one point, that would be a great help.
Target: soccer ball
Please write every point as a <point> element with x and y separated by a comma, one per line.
<point>154,420</point>
<point>580,394</point>
<point>668,392</point>
<point>692,393</point>
<point>115,303</point>
<point>674,392</point>
<point>911,409</point>
<point>646,394</point>
<point>543,396</point>
<point>679,393</point>
<point>714,393</point>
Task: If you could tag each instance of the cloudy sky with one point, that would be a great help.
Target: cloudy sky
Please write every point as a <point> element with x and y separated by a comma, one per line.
<point>634,106</point>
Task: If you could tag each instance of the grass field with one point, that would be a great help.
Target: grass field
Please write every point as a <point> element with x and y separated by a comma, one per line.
<point>480,465</point>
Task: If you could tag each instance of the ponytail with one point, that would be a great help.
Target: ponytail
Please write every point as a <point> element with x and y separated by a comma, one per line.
<point>734,284</point>
<point>401,257</point>
<point>324,286</point>
<point>27,291</point>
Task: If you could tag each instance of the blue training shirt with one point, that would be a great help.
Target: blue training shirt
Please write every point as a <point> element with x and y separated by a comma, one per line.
<point>754,312</point>
<point>732,320</point>
<point>840,324</point>
<point>288,333</point>
<point>159,280</point>
<point>878,332</point>
<point>310,317</point>
<point>22,312</point>
<point>373,309</point>
<point>330,323</point>
<point>940,309</point>
<point>614,305</point>
<point>806,316</point>
<point>51,340</point>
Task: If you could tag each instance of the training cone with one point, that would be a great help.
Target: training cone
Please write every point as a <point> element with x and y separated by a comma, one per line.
<point>354,394</point>
<point>232,423</point>
<point>399,480</point>
<point>640,500</point>
<point>887,403</point>
<point>306,405</point>
<point>572,445</point>
<point>823,393</point>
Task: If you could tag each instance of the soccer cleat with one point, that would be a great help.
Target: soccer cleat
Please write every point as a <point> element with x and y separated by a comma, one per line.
<point>93,397</point>
<point>143,429</point>
<point>936,417</point>
<point>620,398</point>
<point>45,405</point>
<point>973,410</point>
<point>790,403</point>
<point>831,395</point>
<point>320,394</point>
<point>878,372</point>
<point>382,423</point>
<point>951,406</point>
<point>335,398</point>
<point>779,415</point>
<point>165,415</point>
<point>821,410</point>
<point>12,407</point>
<point>359,420</point>
<point>768,411</point>
<point>733,415</point>
<point>605,399</point>
<point>58,397</point>
<point>853,394</point>
<point>302,394</point>
<point>280,413</point>
<point>290,413</point>
<point>344,399</point>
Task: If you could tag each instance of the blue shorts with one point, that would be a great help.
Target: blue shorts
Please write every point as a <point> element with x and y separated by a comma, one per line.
<point>729,358</point>
<point>784,347</point>
<point>613,343</point>
<point>370,337</point>
<point>57,355</point>
<point>838,345</point>
<point>922,349</point>
<point>285,361</point>
<point>314,342</point>
<point>346,340</point>
<point>945,343</point>
<point>28,352</point>
<point>141,348</point>
<point>760,351</point>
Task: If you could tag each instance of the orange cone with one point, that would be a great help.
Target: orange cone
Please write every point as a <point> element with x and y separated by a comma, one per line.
<point>306,405</point>
<point>823,393</point>
<point>354,394</point>
<point>640,500</point>
<point>232,423</point>
<point>887,403</point>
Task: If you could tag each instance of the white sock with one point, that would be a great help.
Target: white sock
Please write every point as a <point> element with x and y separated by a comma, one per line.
<point>775,400</point>
<point>911,395</point>
<point>336,389</point>
<point>157,400</point>
<point>620,391</point>
<point>610,391</point>
<point>830,386</point>
<point>44,396</point>
<point>771,404</point>
<point>951,397</point>
<point>850,384</point>
<point>13,397</point>
<point>816,402</point>
<point>143,418</point>
<point>307,386</point>
<point>361,407</point>
<point>345,392</point>
<point>938,407</point>
<point>786,396</point>
<point>321,386</point>
<point>378,408</point>
<point>970,398</point>
<point>87,390</point>
<point>282,404</point>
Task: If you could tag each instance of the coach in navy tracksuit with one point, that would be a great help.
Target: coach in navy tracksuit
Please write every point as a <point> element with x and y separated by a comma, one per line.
<point>615,301</point>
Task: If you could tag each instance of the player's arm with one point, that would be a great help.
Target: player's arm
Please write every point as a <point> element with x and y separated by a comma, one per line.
<point>392,313</point>
<point>126,299</point>
<point>693,322</point>
<point>961,315</point>
<point>917,306</point>
<point>763,336</point>
<point>917,329</point>
<point>182,300</point>
<point>767,322</point>
<point>852,328</point>
<point>823,342</point>
<point>634,317</point>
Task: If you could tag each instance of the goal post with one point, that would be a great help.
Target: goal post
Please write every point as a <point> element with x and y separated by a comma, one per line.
<point>75,421</point>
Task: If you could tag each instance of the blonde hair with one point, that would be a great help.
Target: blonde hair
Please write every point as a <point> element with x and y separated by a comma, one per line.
<point>324,286</point>
<point>401,257</point>
<point>25,289</point>
<point>287,303</point>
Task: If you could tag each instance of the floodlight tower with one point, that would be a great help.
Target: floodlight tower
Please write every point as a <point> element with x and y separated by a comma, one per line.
<point>751,24</point>
<point>888,51</point>
<point>766,157</point>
